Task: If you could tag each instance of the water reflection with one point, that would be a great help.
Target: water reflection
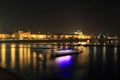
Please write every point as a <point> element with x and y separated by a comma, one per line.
<point>13,49</point>
<point>103,65</point>
<point>21,55</point>
<point>64,65</point>
<point>95,62</point>
<point>3,55</point>
<point>104,55</point>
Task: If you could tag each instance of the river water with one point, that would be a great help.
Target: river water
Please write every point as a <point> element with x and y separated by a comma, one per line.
<point>94,63</point>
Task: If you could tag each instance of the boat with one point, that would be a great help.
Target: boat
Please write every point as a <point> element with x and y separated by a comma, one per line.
<point>41,47</point>
<point>64,52</point>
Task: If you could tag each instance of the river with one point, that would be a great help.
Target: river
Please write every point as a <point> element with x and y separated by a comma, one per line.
<point>94,63</point>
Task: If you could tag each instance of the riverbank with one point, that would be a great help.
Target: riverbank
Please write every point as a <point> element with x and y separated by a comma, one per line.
<point>36,41</point>
<point>7,75</point>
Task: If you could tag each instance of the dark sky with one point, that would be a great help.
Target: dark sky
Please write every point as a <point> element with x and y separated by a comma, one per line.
<point>60,15</point>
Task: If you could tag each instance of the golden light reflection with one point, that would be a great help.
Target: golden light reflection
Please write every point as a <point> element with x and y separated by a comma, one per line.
<point>49,55</point>
<point>21,55</point>
<point>34,60</point>
<point>115,49</point>
<point>66,47</point>
<point>84,56</point>
<point>29,58</point>
<point>13,45</point>
<point>3,55</point>
<point>41,57</point>
<point>12,55</point>
<point>25,55</point>
<point>55,46</point>
<point>61,47</point>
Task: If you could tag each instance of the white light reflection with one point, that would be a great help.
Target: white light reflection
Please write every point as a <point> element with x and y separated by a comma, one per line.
<point>104,55</point>
<point>95,50</point>
<point>115,54</point>
<point>64,51</point>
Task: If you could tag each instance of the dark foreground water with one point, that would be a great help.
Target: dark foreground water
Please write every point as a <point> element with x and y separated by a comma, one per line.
<point>95,63</point>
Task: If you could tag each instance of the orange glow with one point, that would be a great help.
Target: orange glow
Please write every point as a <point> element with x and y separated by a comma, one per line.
<point>28,50</point>
<point>87,36</point>
<point>21,55</point>
<point>84,56</point>
<point>75,36</point>
<point>3,55</point>
<point>25,56</point>
<point>13,56</point>
<point>33,36</point>
<point>13,36</point>
<point>41,36</point>
<point>55,37</point>
<point>34,60</point>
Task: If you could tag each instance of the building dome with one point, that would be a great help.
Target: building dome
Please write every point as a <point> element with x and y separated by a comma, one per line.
<point>78,32</point>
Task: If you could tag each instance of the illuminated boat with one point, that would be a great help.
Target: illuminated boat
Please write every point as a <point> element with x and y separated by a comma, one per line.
<point>64,52</point>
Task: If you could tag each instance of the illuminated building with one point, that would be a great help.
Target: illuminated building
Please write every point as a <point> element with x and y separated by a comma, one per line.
<point>24,35</point>
<point>21,35</point>
<point>4,36</point>
<point>80,34</point>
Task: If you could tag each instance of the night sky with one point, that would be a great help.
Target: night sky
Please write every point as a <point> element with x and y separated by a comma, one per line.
<point>60,16</point>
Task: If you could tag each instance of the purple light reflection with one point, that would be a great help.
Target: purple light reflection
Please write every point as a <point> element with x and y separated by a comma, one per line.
<point>64,60</point>
<point>64,66</point>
